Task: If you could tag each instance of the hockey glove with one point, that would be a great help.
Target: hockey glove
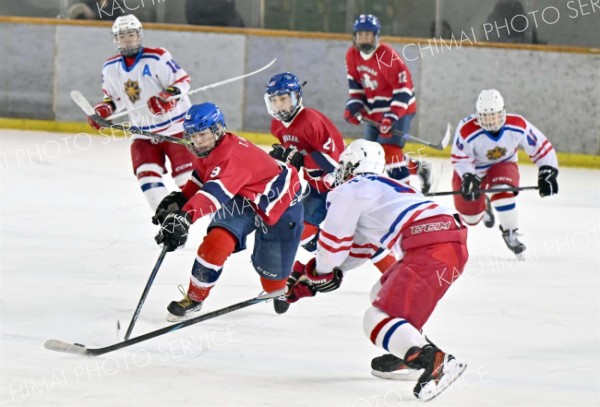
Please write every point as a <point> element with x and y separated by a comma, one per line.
<point>305,282</point>
<point>103,110</point>
<point>385,128</point>
<point>174,230</point>
<point>352,116</point>
<point>470,187</point>
<point>547,182</point>
<point>170,203</point>
<point>161,104</point>
<point>289,155</point>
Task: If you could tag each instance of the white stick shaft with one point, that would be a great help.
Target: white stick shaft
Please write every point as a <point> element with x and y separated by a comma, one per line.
<point>201,89</point>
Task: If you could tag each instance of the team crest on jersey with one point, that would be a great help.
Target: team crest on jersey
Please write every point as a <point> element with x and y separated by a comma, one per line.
<point>368,83</point>
<point>496,153</point>
<point>132,89</point>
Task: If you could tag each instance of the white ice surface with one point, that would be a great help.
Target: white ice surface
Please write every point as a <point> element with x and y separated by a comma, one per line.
<point>77,249</point>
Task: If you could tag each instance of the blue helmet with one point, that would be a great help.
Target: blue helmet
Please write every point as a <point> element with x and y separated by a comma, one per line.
<point>283,84</point>
<point>199,118</point>
<point>366,22</point>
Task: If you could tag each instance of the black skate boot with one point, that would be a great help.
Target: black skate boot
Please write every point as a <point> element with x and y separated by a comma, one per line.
<point>424,173</point>
<point>511,239</point>
<point>280,305</point>
<point>441,370</point>
<point>488,216</point>
<point>391,367</point>
<point>181,310</point>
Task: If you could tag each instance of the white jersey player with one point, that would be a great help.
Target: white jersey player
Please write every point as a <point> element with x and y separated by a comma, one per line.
<point>484,154</point>
<point>370,211</point>
<point>141,76</point>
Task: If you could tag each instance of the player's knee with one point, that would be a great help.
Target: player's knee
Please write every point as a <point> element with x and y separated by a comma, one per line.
<point>217,246</point>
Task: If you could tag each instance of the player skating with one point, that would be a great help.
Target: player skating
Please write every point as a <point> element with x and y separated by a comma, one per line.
<point>366,211</point>
<point>484,154</point>
<point>381,89</point>
<point>137,76</point>
<point>309,141</point>
<point>247,191</point>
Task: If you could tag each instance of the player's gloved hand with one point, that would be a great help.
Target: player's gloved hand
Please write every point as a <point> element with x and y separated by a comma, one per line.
<point>174,230</point>
<point>290,155</point>
<point>161,104</point>
<point>170,203</point>
<point>470,187</point>
<point>547,182</point>
<point>385,128</point>
<point>103,109</point>
<point>305,282</point>
<point>297,286</point>
<point>353,113</point>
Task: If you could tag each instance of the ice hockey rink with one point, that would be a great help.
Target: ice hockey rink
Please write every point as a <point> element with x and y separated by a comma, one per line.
<point>77,249</point>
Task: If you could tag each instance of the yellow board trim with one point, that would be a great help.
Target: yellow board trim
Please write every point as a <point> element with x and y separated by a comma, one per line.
<point>414,150</point>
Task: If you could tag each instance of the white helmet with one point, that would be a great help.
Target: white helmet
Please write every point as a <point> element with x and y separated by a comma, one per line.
<point>360,157</point>
<point>491,115</point>
<point>123,30</point>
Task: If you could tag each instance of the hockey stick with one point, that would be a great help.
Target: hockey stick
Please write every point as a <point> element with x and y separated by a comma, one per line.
<point>87,108</point>
<point>491,190</point>
<point>201,89</point>
<point>77,348</point>
<point>439,146</point>
<point>146,291</point>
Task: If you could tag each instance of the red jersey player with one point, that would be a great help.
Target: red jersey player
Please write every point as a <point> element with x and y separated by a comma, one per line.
<point>309,141</point>
<point>381,89</point>
<point>247,191</point>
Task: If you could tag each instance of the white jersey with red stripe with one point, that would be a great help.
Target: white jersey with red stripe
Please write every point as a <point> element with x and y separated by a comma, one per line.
<point>152,72</point>
<point>367,214</point>
<point>475,150</point>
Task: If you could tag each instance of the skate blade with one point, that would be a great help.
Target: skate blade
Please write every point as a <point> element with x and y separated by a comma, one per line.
<point>174,318</point>
<point>520,256</point>
<point>409,375</point>
<point>432,389</point>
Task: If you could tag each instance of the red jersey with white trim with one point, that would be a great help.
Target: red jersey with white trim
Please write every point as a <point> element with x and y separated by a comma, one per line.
<point>368,213</point>
<point>238,167</point>
<point>153,71</point>
<point>380,82</point>
<point>313,134</point>
<point>475,150</point>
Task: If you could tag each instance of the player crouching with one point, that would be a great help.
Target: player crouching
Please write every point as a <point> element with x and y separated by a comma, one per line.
<point>247,191</point>
<point>370,209</point>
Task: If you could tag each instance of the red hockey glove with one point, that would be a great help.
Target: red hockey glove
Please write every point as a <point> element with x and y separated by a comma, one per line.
<point>305,282</point>
<point>103,110</point>
<point>385,128</point>
<point>160,104</point>
<point>352,117</point>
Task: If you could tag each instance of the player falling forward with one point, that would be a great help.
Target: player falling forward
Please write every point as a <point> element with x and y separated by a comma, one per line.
<point>140,76</point>
<point>247,191</point>
<point>381,89</point>
<point>484,154</point>
<point>368,210</point>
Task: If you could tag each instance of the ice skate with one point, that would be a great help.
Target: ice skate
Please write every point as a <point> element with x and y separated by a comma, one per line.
<point>183,309</point>
<point>488,216</point>
<point>511,239</point>
<point>441,370</point>
<point>391,367</point>
<point>280,304</point>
